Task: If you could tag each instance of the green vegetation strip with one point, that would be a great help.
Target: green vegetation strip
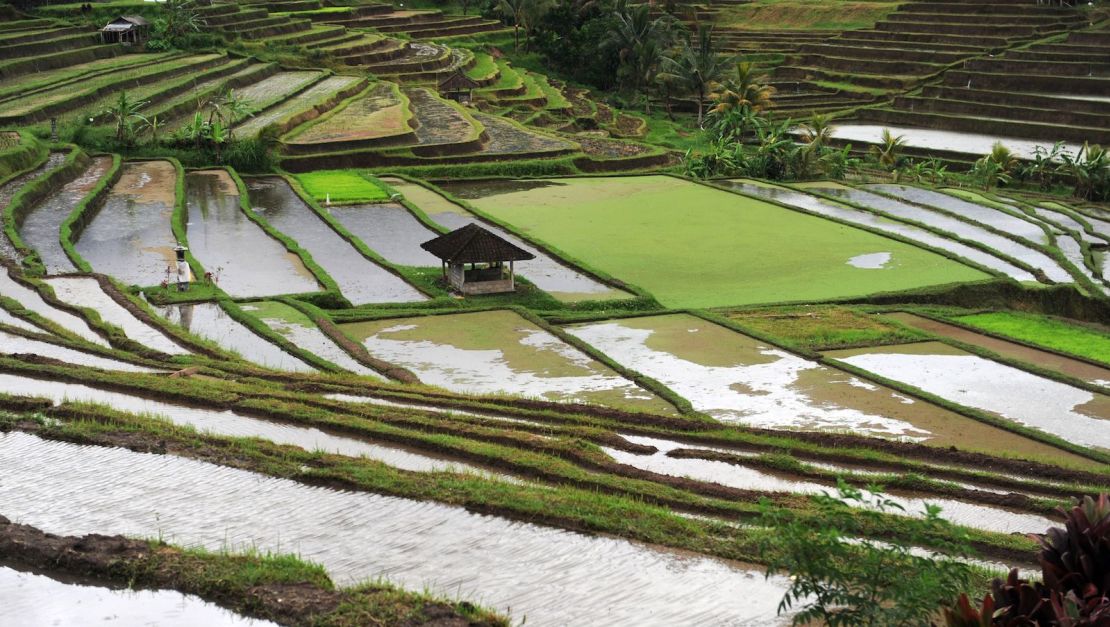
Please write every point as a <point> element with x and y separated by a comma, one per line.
<point>341,187</point>
<point>1072,339</point>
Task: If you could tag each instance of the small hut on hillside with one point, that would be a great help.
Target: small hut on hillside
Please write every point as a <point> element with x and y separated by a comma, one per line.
<point>458,87</point>
<point>129,30</point>
<point>485,252</point>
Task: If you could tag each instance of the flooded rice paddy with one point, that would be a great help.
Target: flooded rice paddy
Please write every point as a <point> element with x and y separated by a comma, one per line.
<point>41,227</point>
<point>16,344</point>
<point>19,323</point>
<point>299,329</point>
<point>32,301</point>
<point>498,352</point>
<point>749,478</point>
<point>950,224</point>
<point>86,292</point>
<point>548,576</point>
<point>1074,414</point>
<point>1060,218</point>
<point>1013,350</point>
<point>562,282</point>
<point>130,237</point>
<point>360,280</point>
<point>246,261</point>
<point>35,600</point>
<point>11,188</point>
<point>990,216</point>
<point>211,322</point>
<point>231,424</point>
<point>738,379</point>
<point>389,230</point>
<point>967,143</point>
<point>851,215</point>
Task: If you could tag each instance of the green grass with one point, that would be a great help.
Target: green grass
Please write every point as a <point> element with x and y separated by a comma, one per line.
<point>341,186</point>
<point>1043,331</point>
<point>821,327</point>
<point>693,246</point>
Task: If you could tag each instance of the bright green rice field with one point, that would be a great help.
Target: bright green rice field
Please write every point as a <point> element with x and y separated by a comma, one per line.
<point>694,246</point>
<point>341,186</point>
<point>1043,331</point>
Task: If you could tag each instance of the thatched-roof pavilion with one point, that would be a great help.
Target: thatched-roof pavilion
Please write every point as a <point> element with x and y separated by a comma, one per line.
<point>126,29</point>
<point>485,252</point>
<point>458,87</point>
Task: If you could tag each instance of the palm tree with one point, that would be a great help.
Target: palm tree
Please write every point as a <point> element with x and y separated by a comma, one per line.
<point>514,10</point>
<point>182,17</point>
<point>888,150</point>
<point>817,132</point>
<point>638,40</point>
<point>124,114</point>
<point>746,91</point>
<point>696,68</point>
<point>996,166</point>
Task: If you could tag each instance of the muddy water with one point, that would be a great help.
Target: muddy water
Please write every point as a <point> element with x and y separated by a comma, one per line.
<point>246,261</point>
<point>498,352</point>
<point>31,300</point>
<point>228,423</point>
<point>967,231</point>
<point>11,188</point>
<point>973,211</point>
<point>864,218</point>
<point>15,344</point>
<point>563,282</point>
<point>1071,413</point>
<point>210,321</point>
<point>549,576</point>
<point>33,600</point>
<point>130,238</point>
<point>41,228</point>
<point>299,330</point>
<point>1044,359</point>
<point>738,379</point>
<point>967,143</point>
<point>747,478</point>
<point>389,230</point>
<point>360,280</point>
<point>86,292</point>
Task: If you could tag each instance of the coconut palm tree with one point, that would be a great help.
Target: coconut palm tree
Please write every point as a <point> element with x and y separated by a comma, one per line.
<point>514,10</point>
<point>745,91</point>
<point>696,68</point>
<point>639,41</point>
<point>817,132</point>
<point>888,150</point>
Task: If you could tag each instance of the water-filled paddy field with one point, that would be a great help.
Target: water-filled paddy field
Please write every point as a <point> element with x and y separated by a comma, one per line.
<point>40,229</point>
<point>87,292</point>
<point>211,322</point>
<point>301,331</point>
<point>694,246</point>
<point>547,575</point>
<point>498,352</point>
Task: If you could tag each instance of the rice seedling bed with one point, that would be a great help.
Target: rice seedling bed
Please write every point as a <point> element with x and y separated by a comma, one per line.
<point>1087,342</point>
<point>692,246</point>
<point>341,187</point>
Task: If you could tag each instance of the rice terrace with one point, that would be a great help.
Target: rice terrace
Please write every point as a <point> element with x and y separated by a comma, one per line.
<point>555,312</point>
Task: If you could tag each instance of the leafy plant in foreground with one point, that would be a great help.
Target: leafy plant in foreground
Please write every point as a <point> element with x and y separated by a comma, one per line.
<point>838,578</point>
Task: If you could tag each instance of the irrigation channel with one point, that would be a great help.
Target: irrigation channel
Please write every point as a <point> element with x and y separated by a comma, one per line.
<point>548,576</point>
<point>32,599</point>
<point>360,280</point>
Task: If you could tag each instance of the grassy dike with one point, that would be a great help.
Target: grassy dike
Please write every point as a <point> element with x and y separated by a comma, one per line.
<point>275,587</point>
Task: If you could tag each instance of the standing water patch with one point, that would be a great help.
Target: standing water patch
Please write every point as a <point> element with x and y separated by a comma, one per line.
<point>33,301</point>
<point>42,226</point>
<point>16,344</point>
<point>211,322</point>
<point>547,576</point>
<point>360,280</point>
<point>130,238</point>
<point>300,330</point>
<point>86,292</point>
<point>389,230</point>
<point>246,261</point>
<point>498,352</point>
<point>1072,413</point>
<point>11,188</point>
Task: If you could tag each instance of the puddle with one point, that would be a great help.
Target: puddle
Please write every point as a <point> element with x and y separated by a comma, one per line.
<point>498,352</point>
<point>864,218</point>
<point>299,329</point>
<point>86,292</point>
<point>970,232</point>
<point>130,238</point>
<point>210,321</point>
<point>745,478</point>
<point>1071,413</point>
<point>229,423</point>
<point>738,379</point>
<point>548,576</point>
<point>563,282</point>
<point>870,261</point>
<point>15,344</point>
<point>361,280</point>
<point>389,230</point>
<point>41,228</point>
<point>11,188</point>
<point>1044,359</point>
<point>32,301</point>
<point>967,143</point>
<point>246,261</point>
<point>32,599</point>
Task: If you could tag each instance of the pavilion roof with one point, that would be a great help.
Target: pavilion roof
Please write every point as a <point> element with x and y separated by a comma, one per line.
<point>457,80</point>
<point>474,244</point>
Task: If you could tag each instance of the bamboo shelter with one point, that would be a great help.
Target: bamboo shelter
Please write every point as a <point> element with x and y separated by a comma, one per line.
<point>485,253</point>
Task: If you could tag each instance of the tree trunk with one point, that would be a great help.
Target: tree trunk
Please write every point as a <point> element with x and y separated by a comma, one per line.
<point>701,107</point>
